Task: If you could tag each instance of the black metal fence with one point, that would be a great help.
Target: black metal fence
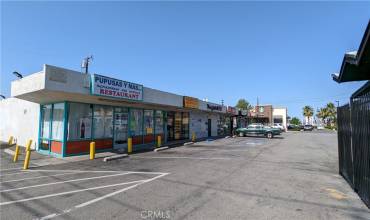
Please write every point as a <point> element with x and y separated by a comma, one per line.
<point>354,144</point>
<point>344,143</point>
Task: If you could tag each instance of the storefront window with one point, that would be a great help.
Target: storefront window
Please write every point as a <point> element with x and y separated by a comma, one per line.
<point>178,125</point>
<point>136,122</point>
<point>45,123</point>
<point>158,122</point>
<point>103,122</point>
<point>120,125</point>
<point>79,121</point>
<point>148,122</point>
<point>185,125</point>
<point>57,125</point>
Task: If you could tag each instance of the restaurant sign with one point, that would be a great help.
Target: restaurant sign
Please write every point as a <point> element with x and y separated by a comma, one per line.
<point>115,88</point>
<point>190,102</point>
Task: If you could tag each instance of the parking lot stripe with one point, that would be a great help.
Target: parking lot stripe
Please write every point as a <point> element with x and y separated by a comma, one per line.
<point>17,168</point>
<point>93,171</point>
<point>67,181</point>
<point>10,174</point>
<point>100,198</point>
<point>195,158</point>
<point>38,177</point>
<point>68,192</point>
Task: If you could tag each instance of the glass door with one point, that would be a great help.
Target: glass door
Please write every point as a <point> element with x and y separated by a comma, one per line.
<point>120,128</point>
<point>170,126</point>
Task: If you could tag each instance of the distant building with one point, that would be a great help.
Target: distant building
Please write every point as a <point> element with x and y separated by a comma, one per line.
<point>264,114</point>
<point>280,116</point>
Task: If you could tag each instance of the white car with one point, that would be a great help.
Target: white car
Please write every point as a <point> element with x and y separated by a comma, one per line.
<point>278,125</point>
<point>320,127</point>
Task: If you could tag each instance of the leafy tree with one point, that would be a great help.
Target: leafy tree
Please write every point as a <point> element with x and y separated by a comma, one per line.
<point>243,105</point>
<point>308,112</point>
<point>295,121</point>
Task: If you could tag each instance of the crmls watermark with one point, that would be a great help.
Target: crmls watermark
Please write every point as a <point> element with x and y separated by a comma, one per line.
<point>155,214</point>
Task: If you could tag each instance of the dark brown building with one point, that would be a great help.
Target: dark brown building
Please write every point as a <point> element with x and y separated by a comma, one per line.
<point>261,114</point>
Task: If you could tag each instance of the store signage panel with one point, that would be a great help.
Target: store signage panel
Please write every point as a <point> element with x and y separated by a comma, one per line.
<point>213,107</point>
<point>115,88</point>
<point>190,102</point>
<point>231,110</point>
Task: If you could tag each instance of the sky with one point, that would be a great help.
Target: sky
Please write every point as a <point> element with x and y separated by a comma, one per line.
<point>281,52</point>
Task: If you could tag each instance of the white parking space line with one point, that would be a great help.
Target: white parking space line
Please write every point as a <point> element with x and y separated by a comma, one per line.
<point>38,177</point>
<point>11,174</point>
<point>16,168</point>
<point>95,171</point>
<point>100,198</point>
<point>67,181</point>
<point>192,158</point>
<point>242,150</point>
<point>68,192</point>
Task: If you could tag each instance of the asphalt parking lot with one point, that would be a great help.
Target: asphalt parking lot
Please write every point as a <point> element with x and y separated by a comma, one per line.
<point>294,176</point>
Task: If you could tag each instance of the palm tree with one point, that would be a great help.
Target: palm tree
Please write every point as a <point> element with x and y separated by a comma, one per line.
<point>308,112</point>
<point>331,112</point>
<point>322,114</point>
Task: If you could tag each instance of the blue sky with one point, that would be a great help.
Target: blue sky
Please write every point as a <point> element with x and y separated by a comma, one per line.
<point>281,52</point>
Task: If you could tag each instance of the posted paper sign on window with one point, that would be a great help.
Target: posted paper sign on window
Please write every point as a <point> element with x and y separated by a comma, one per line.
<point>106,86</point>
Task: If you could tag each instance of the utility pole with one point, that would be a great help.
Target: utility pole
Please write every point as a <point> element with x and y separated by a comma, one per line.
<point>337,103</point>
<point>85,63</point>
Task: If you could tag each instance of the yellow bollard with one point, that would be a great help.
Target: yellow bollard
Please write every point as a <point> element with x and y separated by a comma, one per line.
<point>15,159</point>
<point>92,150</point>
<point>28,155</point>
<point>129,145</point>
<point>10,140</point>
<point>193,137</point>
<point>159,141</point>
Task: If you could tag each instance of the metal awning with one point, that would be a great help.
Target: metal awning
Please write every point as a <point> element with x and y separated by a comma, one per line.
<point>356,65</point>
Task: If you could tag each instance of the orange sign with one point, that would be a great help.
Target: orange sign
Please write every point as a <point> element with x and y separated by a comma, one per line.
<point>190,102</point>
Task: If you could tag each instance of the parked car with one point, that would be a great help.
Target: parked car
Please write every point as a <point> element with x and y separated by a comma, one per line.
<point>279,126</point>
<point>293,127</point>
<point>258,129</point>
<point>308,128</point>
<point>320,127</point>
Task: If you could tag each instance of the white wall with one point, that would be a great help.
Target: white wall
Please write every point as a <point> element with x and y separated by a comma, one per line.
<point>199,124</point>
<point>281,113</point>
<point>162,98</point>
<point>19,119</point>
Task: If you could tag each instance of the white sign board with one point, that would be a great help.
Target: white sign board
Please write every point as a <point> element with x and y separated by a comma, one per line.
<point>106,86</point>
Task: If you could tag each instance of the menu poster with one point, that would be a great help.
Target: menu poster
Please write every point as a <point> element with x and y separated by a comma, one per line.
<point>85,128</point>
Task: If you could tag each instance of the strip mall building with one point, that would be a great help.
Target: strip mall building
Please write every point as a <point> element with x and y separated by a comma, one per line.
<point>64,110</point>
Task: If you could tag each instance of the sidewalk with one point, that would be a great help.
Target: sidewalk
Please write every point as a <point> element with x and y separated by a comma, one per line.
<point>38,159</point>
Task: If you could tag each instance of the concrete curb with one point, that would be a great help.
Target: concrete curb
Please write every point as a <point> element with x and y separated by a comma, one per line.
<point>160,149</point>
<point>188,143</point>
<point>115,157</point>
<point>10,152</point>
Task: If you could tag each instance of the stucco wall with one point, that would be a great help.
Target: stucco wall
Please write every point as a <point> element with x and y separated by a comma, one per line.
<point>199,124</point>
<point>281,112</point>
<point>20,119</point>
<point>64,80</point>
<point>162,98</point>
